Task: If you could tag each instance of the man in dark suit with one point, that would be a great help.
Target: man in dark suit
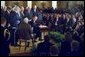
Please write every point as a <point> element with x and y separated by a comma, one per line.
<point>14,23</point>
<point>28,13</point>
<point>35,24</point>
<point>63,23</point>
<point>35,10</point>
<point>2,12</point>
<point>40,15</point>
<point>22,12</point>
<point>7,14</point>
<point>43,49</point>
<point>69,22</point>
<point>60,24</point>
<point>4,39</point>
<point>66,45</point>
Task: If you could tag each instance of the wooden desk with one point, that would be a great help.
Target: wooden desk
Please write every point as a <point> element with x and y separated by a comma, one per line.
<point>44,30</point>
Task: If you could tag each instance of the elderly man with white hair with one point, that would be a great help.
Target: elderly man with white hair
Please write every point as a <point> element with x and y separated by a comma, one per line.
<point>24,30</point>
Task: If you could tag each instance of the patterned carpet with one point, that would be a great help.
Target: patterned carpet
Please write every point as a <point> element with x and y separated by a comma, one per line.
<point>20,51</point>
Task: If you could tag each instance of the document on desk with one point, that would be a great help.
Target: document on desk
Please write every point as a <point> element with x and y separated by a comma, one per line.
<point>43,26</point>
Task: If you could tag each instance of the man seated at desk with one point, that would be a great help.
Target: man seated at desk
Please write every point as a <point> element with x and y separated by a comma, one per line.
<point>35,22</point>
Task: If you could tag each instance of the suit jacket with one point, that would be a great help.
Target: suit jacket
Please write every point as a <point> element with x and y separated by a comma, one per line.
<point>14,18</point>
<point>36,28</point>
<point>35,12</point>
<point>40,16</point>
<point>28,14</point>
<point>2,13</point>
<point>24,31</point>
<point>69,23</point>
<point>7,16</point>
<point>22,16</point>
